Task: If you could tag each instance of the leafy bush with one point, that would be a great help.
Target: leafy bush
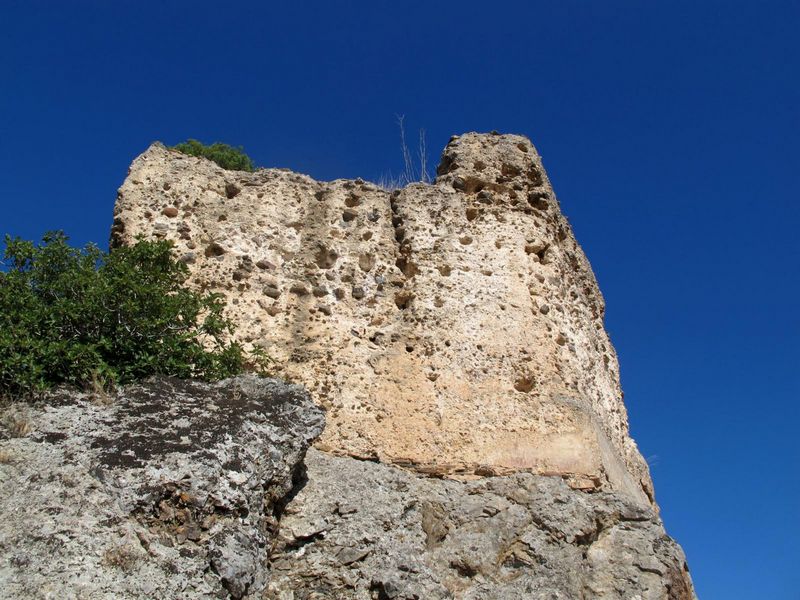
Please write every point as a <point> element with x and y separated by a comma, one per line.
<point>84,316</point>
<point>227,157</point>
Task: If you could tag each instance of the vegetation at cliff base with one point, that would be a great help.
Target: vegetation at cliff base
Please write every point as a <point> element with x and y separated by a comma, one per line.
<point>83,316</point>
<point>227,157</point>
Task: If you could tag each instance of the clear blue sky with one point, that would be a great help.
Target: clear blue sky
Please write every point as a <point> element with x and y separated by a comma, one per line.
<point>669,129</point>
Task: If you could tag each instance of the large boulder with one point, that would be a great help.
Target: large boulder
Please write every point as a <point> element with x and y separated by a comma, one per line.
<point>170,489</point>
<point>361,530</point>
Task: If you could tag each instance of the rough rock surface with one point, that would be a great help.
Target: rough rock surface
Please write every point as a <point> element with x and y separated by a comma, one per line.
<point>453,331</point>
<point>453,328</point>
<point>170,491</point>
<point>362,530</point>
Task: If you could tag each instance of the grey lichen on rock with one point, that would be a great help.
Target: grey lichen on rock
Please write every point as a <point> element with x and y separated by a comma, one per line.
<point>171,491</point>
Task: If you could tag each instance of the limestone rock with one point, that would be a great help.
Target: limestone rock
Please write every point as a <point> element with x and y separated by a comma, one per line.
<point>170,491</point>
<point>362,530</point>
<point>463,333</point>
<point>453,332</point>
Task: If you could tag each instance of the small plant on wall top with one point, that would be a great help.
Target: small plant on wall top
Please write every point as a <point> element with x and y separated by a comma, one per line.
<point>227,157</point>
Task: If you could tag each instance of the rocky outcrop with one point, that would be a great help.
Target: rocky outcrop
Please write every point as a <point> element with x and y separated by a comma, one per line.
<point>455,329</point>
<point>170,491</point>
<point>188,490</point>
<point>362,530</point>
<point>453,332</point>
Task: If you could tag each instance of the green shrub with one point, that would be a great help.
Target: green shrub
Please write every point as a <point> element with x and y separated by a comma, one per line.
<point>227,157</point>
<point>84,316</point>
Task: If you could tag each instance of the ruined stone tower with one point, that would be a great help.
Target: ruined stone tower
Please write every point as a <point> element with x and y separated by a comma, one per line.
<point>453,328</point>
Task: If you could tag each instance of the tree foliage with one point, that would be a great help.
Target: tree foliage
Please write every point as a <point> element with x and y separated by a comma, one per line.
<point>78,316</point>
<point>227,157</point>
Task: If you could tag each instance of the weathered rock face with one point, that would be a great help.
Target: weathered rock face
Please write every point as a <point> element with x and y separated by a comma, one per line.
<point>452,331</point>
<point>453,328</point>
<point>171,491</point>
<point>190,490</point>
<point>362,530</point>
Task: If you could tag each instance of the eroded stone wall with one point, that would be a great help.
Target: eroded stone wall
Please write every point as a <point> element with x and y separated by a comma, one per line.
<point>453,328</point>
